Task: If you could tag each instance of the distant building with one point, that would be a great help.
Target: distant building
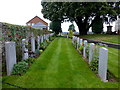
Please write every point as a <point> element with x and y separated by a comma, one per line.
<point>37,22</point>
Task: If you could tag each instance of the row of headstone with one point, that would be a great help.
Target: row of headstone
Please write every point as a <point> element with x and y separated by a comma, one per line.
<point>11,47</point>
<point>103,55</point>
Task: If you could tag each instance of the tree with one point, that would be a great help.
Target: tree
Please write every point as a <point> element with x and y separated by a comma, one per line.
<point>71,27</point>
<point>83,13</point>
<point>97,27</point>
<point>56,26</point>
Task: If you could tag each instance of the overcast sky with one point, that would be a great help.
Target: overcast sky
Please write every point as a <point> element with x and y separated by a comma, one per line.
<point>20,11</point>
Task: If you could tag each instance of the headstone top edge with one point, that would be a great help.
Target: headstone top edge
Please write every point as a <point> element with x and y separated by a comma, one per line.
<point>104,48</point>
<point>9,42</point>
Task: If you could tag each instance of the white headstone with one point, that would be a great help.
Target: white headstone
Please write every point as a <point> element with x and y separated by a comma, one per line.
<point>73,38</point>
<point>38,42</point>
<point>67,36</point>
<point>10,50</point>
<point>84,49</point>
<point>24,49</point>
<point>91,52</point>
<point>81,42</point>
<point>77,42</point>
<point>42,39</point>
<point>33,44</point>
<point>103,61</point>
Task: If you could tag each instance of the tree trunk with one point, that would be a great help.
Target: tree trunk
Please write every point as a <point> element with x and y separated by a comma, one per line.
<point>81,27</point>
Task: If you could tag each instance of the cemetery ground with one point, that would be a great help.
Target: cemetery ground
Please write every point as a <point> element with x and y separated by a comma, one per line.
<point>103,37</point>
<point>61,66</point>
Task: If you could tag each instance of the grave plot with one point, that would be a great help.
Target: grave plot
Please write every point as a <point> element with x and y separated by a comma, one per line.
<point>99,59</point>
<point>60,66</point>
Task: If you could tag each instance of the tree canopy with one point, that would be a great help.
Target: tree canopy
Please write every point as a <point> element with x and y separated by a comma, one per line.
<point>71,27</point>
<point>83,13</point>
<point>56,26</point>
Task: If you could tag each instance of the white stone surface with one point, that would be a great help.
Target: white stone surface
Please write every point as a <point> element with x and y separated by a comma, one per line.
<point>10,50</point>
<point>24,49</point>
<point>42,39</point>
<point>81,42</point>
<point>73,38</point>
<point>84,49</point>
<point>91,52</point>
<point>38,42</point>
<point>78,43</point>
<point>103,61</point>
<point>67,36</point>
<point>33,44</point>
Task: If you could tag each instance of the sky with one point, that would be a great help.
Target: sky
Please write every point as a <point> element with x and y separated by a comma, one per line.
<point>20,11</point>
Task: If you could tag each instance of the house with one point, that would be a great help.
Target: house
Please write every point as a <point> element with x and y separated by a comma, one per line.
<point>37,22</point>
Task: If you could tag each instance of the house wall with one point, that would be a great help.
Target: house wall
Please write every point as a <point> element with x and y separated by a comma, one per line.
<point>36,20</point>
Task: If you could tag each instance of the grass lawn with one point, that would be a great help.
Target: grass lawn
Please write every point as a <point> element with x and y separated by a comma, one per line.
<point>59,66</point>
<point>103,37</point>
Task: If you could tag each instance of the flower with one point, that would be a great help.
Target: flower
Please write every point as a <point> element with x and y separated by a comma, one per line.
<point>17,33</point>
<point>10,36</point>
<point>82,44</point>
<point>19,37</point>
<point>26,39</point>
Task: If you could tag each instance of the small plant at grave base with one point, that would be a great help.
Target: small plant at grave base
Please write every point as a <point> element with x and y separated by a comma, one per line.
<point>81,48</point>
<point>94,66</point>
<point>30,61</point>
<point>75,43</point>
<point>94,62</point>
<point>37,53</point>
<point>87,51</point>
<point>41,51</point>
<point>42,46</point>
<point>47,41</point>
<point>20,68</point>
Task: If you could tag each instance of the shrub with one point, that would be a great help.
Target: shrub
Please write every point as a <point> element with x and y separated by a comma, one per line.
<point>81,49</point>
<point>30,61</point>
<point>20,68</point>
<point>94,66</point>
<point>42,46</point>
<point>87,51</point>
<point>94,62</point>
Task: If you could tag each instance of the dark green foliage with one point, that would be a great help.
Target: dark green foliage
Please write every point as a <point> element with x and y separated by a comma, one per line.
<point>83,13</point>
<point>30,61</point>
<point>94,62</point>
<point>81,49</point>
<point>56,26</point>
<point>87,51</point>
<point>71,27</point>
<point>97,27</point>
<point>19,53</point>
<point>20,68</point>
<point>94,66</point>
